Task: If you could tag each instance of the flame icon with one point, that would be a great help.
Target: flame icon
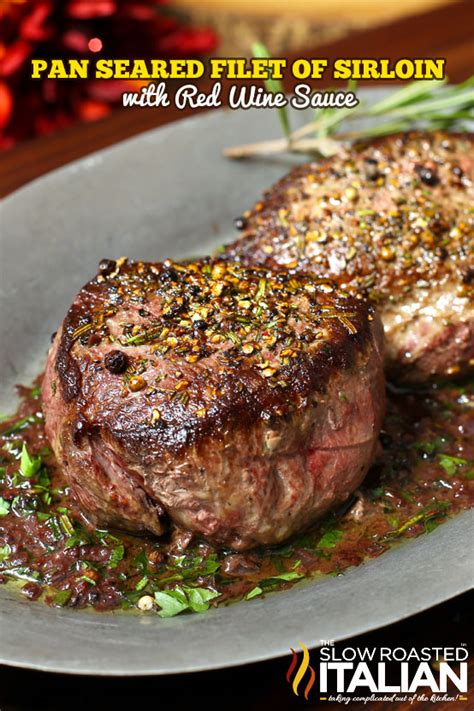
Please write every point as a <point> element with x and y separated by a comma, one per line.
<point>304,666</point>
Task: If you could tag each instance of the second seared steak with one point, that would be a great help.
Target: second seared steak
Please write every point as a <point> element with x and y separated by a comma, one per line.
<point>392,219</point>
<point>238,403</point>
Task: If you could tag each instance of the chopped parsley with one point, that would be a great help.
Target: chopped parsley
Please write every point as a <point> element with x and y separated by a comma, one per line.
<point>29,466</point>
<point>451,464</point>
<point>5,552</point>
<point>116,556</point>
<point>331,538</point>
<point>4,507</point>
<point>172,602</point>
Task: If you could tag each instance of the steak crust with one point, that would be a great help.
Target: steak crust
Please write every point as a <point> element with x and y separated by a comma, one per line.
<point>392,219</point>
<point>239,403</point>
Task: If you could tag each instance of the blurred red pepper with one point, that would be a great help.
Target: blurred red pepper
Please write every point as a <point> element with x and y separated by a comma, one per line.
<point>54,29</point>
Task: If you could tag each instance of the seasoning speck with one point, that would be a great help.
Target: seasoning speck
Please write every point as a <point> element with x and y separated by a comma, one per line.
<point>240,223</point>
<point>136,383</point>
<point>107,266</point>
<point>427,175</point>
<point>116,362</point>
<point>387,253</point>
<point>146,603</point>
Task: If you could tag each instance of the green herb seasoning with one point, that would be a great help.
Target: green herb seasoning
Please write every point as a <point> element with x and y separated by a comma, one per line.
<point>426,475</point>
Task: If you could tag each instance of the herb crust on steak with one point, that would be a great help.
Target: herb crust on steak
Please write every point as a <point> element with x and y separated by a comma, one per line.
<point>239,403</point>
<point>394,220</point>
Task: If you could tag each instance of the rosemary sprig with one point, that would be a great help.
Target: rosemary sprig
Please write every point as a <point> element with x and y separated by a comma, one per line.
<point>427,105</point>
<point>274,86</point>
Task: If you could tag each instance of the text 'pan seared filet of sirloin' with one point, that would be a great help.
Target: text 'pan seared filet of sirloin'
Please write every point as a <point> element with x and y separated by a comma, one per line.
<point>238,403</point>
<point>394,220</point>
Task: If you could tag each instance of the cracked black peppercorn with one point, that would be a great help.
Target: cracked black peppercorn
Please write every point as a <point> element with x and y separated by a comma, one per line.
<point>427,175</point>
<point>173,310</point>
<point>371,168</point>
<point>468,276</point>
<point>107,266</point>
<point>116,362</point>
<point>168,274</point>
<point>240,223</point>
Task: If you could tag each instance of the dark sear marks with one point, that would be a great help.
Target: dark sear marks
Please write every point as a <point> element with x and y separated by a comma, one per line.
<point>424,475</point>
<point>208,395</point>
<point>189,312</point>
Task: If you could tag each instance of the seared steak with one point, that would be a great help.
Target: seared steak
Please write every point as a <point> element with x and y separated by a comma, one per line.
<point>394,220</point>
<point>238,403</point>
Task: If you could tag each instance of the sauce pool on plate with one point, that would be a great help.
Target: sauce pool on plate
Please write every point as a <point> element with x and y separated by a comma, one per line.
<point>424,474</point>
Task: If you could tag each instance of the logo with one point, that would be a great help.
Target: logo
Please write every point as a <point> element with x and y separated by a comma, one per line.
<point>345,674</point>
<point>304,666</point>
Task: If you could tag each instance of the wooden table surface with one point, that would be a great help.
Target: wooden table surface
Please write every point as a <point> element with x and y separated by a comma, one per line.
<point>444,32</point>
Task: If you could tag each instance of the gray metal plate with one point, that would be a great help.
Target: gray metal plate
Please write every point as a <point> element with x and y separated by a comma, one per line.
<point>169,193</point>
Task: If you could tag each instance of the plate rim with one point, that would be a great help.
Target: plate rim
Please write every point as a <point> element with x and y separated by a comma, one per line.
<point>83,165</point>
